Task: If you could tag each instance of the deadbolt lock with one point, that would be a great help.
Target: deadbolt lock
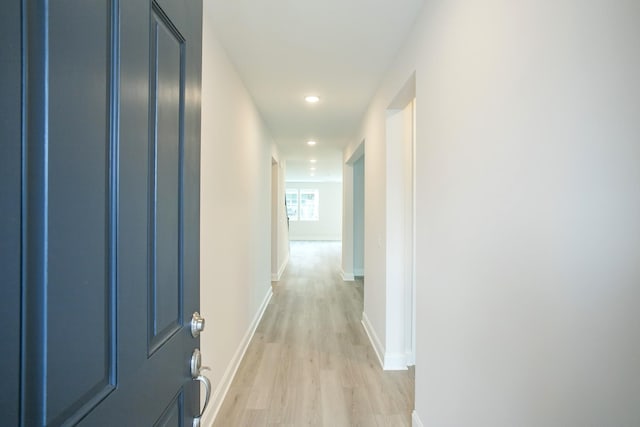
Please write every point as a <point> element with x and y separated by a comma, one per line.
<point>197,324</point>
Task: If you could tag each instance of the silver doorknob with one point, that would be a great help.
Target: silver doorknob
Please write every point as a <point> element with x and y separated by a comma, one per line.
<point>196,363</point>
<point>197,324</point>
<point>196,374</point>
<point>197,420</point>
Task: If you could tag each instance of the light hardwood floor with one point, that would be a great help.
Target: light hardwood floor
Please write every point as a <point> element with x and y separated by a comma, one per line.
<point>310,362</point>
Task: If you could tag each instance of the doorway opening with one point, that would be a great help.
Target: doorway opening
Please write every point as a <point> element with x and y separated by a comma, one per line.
<point>358,218</point>
<point>400,134</point>
<point>279,222</point>
<point>353,215</point>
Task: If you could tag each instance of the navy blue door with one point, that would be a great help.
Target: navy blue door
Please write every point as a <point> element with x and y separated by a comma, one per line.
<point>10,201</point>
<point>109,211</point>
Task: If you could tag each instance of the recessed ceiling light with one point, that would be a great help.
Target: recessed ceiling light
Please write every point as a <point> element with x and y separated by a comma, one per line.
<point>312,143</point>
<point>312,99</point>
<point>313,160</point>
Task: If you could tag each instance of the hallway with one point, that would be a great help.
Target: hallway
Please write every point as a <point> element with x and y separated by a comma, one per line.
<point>310,361</point>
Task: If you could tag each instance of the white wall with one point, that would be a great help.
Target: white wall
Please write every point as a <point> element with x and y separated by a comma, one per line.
<point>235,225</point>
<point>329,225</point>
<point>527,211</point>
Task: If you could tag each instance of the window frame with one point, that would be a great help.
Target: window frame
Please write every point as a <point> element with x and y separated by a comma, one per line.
<point>316,204</point>
<point>297,207</point>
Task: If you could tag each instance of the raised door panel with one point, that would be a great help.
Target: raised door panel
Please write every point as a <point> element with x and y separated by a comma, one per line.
<point>70,278</point>
<point>167,116</point>
<point>173,413</point>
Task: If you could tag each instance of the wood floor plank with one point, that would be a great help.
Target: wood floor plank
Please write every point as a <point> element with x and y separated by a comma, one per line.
<point>233,407</point>
<point>308,405</point>
<point>254,418</point>
<point>360,410</point>
<point>265,377</point>
<point>335,412</point>
<point>310,362</point>
<point>282,403</point>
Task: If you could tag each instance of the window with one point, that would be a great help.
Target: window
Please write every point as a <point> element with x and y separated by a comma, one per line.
<point>309,205</point>
<point>291,198</point>
<point>303,205</point>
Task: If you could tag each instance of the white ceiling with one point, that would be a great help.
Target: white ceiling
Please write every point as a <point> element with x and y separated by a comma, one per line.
<point>336,49</point>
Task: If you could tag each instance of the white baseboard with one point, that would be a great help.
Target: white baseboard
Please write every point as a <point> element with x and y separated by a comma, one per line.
<point>223,387</point>
<point>373,338</point>
<point>388,361</point>
<point>276,277</point>
<point>395,362</point>
<point>410,358</point>
<point>415,420</point>
<point>347,277</point>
